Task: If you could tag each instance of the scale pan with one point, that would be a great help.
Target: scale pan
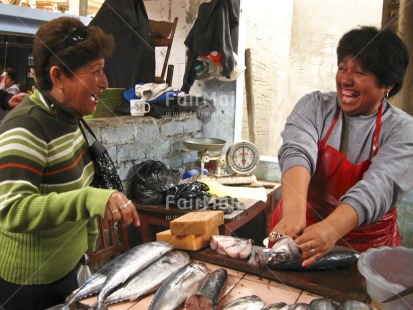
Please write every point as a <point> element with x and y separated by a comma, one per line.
<point>204,144</point>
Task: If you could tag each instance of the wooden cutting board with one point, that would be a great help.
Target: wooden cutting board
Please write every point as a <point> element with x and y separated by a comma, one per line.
<point>339,284</point>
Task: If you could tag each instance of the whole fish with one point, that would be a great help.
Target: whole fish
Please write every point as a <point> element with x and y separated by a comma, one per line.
<point>355,305</point>
<point>252,302</point>
<point>297,306</point>
<point>285,255</point>
<point>206,298</point>
<point>324,304</point>
<point>149,279</point>
<point>179,286</point>
<point>130,263</point>
<point>94,284</point>
<point>276,306</point>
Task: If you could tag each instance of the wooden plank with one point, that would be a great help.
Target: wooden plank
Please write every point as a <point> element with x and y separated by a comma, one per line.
<point>339,284</point>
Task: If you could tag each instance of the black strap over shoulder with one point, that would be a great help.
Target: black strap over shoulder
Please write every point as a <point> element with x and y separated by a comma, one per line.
<point>106,175</point>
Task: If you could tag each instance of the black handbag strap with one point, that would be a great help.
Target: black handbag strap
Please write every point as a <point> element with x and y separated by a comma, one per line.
<point>82,123</point>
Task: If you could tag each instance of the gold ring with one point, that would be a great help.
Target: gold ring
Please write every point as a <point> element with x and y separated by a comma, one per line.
<point>313,251</point>
<point>114,211</point>
<point>309,245</point>
<point>125,205</point>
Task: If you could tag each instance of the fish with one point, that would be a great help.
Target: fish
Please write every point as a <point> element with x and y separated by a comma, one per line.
<point>286,255</point>
<point>355,305</point>
<point>94,284</point>
<point>206,298</point>
<point>324,304</point>
<point>283,250</point>
<point>231,246</point>
<point>276,306</point>
<point>252,302</point>
<point>130,263</point>
<point>320,304</point>
<point>149,279</point>
<point>297,306</point>
<point>177,287</point>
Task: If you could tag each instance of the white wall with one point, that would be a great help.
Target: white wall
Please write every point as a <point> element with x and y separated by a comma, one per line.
<point>292,58</point>
<point>269,39</point>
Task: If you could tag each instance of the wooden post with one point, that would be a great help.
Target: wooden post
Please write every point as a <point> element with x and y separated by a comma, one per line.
<point>250,96</point>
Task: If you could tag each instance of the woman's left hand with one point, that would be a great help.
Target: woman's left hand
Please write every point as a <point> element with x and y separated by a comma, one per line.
<point>316,241</point>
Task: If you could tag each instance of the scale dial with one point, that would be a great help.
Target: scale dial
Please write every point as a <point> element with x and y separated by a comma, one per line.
<point>243,157</point>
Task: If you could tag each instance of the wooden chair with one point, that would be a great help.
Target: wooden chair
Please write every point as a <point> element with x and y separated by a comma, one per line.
<point>163,34</point>
<point>112,241</point>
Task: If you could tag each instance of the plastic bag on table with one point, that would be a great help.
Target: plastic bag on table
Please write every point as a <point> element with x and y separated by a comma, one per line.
<point>189,196</point>
<point>149,181</point>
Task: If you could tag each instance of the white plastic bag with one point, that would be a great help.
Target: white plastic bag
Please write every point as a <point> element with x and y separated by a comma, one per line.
<point>83,272</point>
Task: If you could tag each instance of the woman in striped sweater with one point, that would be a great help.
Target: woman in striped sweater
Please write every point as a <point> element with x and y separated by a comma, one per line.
<point>47,208</point>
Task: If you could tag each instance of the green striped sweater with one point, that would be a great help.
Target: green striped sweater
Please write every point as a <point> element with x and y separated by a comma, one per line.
<point>47,209</point>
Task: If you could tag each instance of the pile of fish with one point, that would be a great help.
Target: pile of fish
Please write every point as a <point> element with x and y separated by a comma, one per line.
<point>254,302</point>
<point>153,267</point>
<point>156,267</point>
<point>231,246</point>
<point>286,255</point>
<point>138,272</point>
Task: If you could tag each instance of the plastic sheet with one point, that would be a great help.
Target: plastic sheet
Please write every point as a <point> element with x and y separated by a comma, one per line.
<point>219,190</point>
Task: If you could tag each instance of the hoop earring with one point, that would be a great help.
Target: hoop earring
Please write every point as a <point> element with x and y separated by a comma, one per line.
<point>387,95</point>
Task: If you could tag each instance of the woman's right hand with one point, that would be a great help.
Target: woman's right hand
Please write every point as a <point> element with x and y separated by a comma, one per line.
<point>288,227</point>
<point>121,209</point>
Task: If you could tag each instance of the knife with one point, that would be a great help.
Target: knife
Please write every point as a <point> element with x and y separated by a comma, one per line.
<point>399,295</point>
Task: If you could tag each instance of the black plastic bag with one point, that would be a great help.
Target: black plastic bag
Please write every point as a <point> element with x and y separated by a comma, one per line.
<point>189,196</point>
<point>226,204</point>
<point>149,180</point>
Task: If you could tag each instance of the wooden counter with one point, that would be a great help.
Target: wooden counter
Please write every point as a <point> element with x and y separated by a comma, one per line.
<point>153,216</point>
<point>339,284</point>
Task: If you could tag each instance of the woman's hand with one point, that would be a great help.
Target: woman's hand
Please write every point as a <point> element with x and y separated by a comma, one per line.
<point>318,239</point>
<point>120,209</point>
<point>289,227</point>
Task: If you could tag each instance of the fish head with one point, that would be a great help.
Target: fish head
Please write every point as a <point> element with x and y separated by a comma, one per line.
<point>283,250</point>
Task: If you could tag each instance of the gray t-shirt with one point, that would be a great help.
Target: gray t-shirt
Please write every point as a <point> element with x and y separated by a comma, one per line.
<point>391,171</point>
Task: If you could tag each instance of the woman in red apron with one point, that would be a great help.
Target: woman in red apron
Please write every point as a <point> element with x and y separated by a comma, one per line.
<point>312,209</point>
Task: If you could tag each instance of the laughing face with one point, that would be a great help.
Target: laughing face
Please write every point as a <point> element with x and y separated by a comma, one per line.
<point>80,90</point>
<point>358,91</point>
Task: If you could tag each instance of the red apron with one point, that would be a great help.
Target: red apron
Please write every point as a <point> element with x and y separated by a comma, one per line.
<point>333,177</point>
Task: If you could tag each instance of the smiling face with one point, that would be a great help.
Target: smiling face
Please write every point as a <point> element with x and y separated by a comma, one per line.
<point>359,92</point>
<point>79,91</point>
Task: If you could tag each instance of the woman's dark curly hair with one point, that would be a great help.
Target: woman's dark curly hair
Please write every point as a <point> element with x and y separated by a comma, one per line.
<point>380,52</point>
<point>48,51</point>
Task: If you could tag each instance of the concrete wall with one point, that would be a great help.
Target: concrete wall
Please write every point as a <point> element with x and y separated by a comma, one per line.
<point>293,46</point>
<point>131,140</point>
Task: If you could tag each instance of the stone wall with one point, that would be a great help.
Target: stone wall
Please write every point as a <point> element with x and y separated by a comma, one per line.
<point>131,140</point>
